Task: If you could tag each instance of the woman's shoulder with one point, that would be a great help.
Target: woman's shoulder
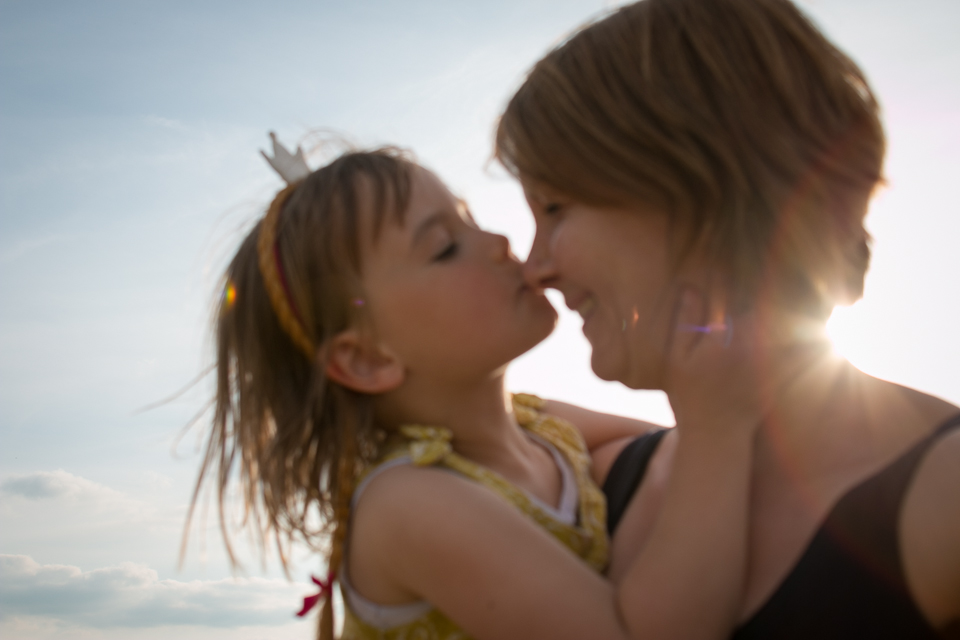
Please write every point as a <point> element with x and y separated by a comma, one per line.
<point>887,417</point>
<point>930,527</point>
<point>929,517</point>
<point>932,410</point>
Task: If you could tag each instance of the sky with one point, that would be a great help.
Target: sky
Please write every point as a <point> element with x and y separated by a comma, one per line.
<point>129,170</point>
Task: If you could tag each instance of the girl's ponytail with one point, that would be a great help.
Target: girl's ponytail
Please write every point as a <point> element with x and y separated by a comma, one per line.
<point>347,473</point>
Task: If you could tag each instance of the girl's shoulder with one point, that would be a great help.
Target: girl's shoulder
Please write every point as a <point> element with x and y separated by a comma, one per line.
<point>409,524</point>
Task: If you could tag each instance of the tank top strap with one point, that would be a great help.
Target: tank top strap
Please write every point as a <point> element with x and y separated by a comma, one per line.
<point>849,582</point>
<point>867,517</point>
<point>627,472</point>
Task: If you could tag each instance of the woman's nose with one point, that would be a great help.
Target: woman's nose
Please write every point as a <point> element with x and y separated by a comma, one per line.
<point>538,270</point>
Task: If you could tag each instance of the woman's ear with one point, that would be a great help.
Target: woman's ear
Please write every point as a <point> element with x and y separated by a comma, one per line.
<point>362,365</point>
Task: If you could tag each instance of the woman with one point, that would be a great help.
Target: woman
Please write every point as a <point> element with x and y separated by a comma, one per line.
<point>727,149</point>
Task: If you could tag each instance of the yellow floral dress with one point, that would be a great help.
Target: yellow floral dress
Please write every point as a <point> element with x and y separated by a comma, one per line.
<point>587,538</point>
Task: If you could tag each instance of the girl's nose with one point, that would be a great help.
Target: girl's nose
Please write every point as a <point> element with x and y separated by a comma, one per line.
<point>500,247</point>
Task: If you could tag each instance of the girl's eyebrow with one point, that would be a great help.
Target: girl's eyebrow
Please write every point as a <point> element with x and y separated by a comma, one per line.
<point>465,212</point>
<point>431,221</point>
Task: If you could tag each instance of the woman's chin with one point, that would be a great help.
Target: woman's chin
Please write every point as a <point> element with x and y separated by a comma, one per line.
<point>603,368</point>
<point>617,369</point>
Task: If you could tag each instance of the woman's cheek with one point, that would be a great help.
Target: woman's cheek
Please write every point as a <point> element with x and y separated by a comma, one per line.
<point>559,245</point>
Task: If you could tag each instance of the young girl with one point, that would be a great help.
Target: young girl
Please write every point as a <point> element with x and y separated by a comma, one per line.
<point>361,347</point>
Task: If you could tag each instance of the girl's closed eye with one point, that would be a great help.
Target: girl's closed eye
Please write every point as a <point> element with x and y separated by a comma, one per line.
<point>551,208</point>
<point>448,252</point>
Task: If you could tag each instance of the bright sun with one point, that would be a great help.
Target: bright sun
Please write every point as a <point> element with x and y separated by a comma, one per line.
<point>845,331</point>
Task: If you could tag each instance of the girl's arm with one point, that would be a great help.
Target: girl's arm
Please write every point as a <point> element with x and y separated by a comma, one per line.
<point>690,570</point>
<point>598,429</point>
<point>605,435</point>
<point>432,535</point>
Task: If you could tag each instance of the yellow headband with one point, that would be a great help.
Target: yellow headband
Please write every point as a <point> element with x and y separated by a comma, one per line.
<point>273,280</point>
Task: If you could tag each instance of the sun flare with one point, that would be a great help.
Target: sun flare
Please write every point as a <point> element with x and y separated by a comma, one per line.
<point>845,331</point>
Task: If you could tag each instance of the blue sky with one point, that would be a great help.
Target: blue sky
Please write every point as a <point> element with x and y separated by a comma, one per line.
<point>129,168</point>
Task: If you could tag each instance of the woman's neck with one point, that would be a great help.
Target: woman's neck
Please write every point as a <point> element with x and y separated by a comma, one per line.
<point>819,407</point>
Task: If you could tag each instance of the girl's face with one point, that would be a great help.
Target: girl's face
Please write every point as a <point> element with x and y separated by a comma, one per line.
<point>449,298</point>
<point>613,267</point>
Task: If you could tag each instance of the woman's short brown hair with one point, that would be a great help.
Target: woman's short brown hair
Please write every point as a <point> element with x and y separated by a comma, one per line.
<point>738,117</point>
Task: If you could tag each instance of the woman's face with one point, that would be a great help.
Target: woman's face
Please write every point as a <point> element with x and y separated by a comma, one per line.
<point>613,266</point>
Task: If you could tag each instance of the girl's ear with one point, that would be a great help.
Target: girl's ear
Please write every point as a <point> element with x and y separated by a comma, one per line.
<point>362,365</point>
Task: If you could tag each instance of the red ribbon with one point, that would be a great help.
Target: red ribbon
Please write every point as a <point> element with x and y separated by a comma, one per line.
<point>326,590</point>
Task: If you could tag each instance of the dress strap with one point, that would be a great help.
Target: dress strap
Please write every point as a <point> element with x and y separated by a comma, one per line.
<point>426,446</point>
<point>430,446</point>
<point>528,410</point>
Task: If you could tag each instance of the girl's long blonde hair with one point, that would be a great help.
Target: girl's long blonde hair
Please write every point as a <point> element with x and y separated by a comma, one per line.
<point>296,440</point>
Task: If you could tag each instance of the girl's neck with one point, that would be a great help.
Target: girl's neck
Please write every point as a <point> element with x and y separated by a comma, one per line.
<point>480,416</point>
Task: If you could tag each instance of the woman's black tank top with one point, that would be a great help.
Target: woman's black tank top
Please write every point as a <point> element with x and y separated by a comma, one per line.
<point>849,582</point>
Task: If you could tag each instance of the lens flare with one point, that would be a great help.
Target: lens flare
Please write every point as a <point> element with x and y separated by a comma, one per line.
<point>844,331</point>
<point>229,296</point>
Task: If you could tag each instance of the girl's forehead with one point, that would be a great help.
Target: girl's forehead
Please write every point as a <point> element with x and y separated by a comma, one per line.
<point>429,199</point>
<point>428,196</point>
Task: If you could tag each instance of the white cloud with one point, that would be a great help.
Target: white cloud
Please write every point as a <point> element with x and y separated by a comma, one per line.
<point>33,628</point>
<point>133,595</point>
<point>58,484</point>
<point>56,516</point>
